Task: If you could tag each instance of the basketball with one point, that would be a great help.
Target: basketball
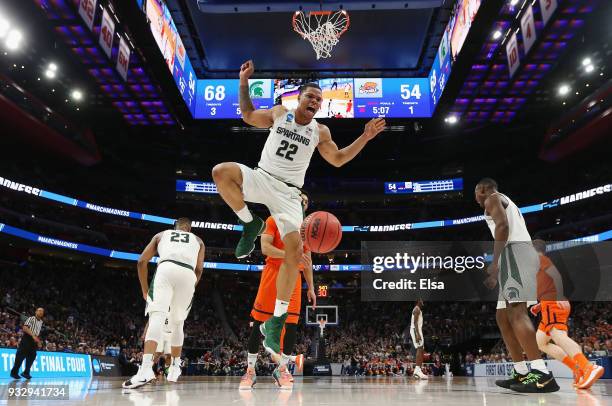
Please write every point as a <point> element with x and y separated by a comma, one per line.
<point>321,232</point>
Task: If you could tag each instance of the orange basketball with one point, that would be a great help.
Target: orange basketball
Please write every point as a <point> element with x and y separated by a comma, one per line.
<point>321,232</point>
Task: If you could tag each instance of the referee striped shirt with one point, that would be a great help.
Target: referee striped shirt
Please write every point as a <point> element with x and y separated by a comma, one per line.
<point>34,324</point>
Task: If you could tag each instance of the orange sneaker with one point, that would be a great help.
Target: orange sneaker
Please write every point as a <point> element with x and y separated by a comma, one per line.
<point>590,375</point>
<point>283,378</point>
<point>248,380</point>
<point>577,376</point>
<point>299,362</point>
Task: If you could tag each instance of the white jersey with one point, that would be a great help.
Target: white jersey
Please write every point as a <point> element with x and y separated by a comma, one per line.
<point>419,326</point>
<point>179,246</point>
<point>289,148</point>
<point>517,229</point>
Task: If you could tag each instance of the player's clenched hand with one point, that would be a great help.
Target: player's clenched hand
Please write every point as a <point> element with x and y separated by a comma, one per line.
<point>535,309</point>
<point>312,298</point>
<point>145,293</point>
<point>374,127</point>
<point>491,282</point>
<point>246,70</point>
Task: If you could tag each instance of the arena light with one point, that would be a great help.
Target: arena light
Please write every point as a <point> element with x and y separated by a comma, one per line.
<point>563,90</point>
<point>589,68</point>
<point>586,62</point>
<point>76,95</point>
<point>451,120</point>
<point>13,39</point>
<point>51,70</point>
<point>514,2</point>
<point>497,34</point>
<point>4,27</point>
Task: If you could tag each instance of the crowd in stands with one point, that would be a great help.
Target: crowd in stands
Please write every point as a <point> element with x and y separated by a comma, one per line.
<point>90,308</point>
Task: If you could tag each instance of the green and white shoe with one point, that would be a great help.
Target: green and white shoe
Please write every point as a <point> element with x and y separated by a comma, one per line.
<point>250,232</point>
<point>271,330</point>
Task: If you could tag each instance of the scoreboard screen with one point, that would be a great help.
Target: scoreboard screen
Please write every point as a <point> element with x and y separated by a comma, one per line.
<point>220,98</point>
<point>397,97</point>
<point>425,186</point>
<point>342,97</point>
<point>196,186</point>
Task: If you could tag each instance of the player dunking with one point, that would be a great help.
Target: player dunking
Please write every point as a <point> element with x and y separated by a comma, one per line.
<point>555,310</point>
<point>514,267</point>
<point>276,182</point>
<point>416,333</point>
<point>272,247</point>
<point>181,260</point>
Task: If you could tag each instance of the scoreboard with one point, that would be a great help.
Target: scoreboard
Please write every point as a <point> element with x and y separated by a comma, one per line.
<point>195,186</point>
<point>220,98</point>
<point>426,186</point>
<point>342,98</point>
<point>397,97</point>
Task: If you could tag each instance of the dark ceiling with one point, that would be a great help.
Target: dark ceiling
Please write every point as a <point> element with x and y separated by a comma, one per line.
<point>385,40</point>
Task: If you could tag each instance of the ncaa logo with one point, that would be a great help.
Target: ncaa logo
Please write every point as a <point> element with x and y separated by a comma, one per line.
<point>289,117</point>
<point>314,233</point>
<point>95,365</point>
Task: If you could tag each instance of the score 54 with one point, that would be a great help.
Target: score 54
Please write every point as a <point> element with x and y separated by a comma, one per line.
<point>406,93</point>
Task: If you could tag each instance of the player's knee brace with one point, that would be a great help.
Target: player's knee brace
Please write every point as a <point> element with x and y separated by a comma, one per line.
<point>177,338</point>
<point>254,338</point>
<point>156,324</point>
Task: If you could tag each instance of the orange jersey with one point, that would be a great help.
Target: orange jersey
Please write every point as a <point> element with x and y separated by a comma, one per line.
<point>263,307</point>
<point>277,242</point>
<point>555,311</point>
<point>547,290</point>
<point>554,315</point>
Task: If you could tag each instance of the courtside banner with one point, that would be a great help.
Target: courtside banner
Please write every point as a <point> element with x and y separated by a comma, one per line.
<point>463,270</point>
<point>558,369</point>
<point>48,364</point>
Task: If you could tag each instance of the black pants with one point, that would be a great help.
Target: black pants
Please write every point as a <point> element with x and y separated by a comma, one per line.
<point>26,350</point>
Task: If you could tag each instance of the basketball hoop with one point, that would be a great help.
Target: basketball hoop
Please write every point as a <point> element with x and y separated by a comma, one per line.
<point>322,28</point>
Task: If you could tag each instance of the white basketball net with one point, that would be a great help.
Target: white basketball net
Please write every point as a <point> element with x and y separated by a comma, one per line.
<point>323,29</point>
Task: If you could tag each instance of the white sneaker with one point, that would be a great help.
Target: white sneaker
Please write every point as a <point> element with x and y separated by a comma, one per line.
<point>418,373</point>
<point>143,377</point>
<point>173,373</point>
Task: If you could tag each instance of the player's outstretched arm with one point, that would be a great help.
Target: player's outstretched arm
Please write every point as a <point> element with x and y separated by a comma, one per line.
<point>256,118</point>
<point>143,264</point>
<point>338,157</point>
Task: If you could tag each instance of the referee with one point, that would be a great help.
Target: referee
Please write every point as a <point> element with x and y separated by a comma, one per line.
<point>29,344</point>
